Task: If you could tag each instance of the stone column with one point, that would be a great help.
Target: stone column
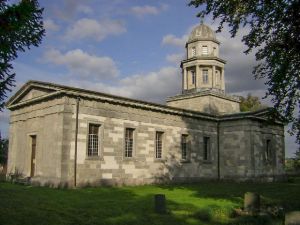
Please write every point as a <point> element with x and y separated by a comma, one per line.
<point>213,81</point>
<point>197,76</point>
<point>223,79</point>
<point>185,80</point>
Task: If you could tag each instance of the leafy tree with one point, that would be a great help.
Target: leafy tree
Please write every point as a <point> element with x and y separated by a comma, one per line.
<point>21,27</point>
<point>296,163</point>
<point>250,103</point>
<point>3,150</point>
<point>274,31</point>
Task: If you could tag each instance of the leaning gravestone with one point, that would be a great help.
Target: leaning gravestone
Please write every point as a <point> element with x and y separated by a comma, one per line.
<point>160,203</point>
<point>292,218</point>
<point>251,202</point>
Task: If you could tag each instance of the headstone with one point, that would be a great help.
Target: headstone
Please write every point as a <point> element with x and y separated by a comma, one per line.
<point>160,203</point>
<point>292,218</point>
<point>251,202</point>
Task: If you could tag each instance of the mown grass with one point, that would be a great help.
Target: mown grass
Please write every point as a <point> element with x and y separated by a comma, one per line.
<point>203,203</point>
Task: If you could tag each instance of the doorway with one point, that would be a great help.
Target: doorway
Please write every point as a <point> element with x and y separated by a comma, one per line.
<point>33,153</point>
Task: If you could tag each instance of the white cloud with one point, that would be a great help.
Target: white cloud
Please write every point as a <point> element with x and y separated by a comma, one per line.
<point>153,86</point>
<point>171,39</point>
<point>85,9</point>
<point>83,64</point>
<point>67,9</point>
<point>97,30</point>
<point>141,11</point>
<point>175,58</point>
<point>50,25</point>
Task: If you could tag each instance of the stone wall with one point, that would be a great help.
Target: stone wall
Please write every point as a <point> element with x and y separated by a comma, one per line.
<point>243,148</point>
<point>205,103</point>
<point>112,167</point>
<point>44,120</point>
<point>241,144</point>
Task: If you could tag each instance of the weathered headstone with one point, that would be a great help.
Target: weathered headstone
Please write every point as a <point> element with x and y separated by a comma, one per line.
<point>160,203</point>
<point>251,202</point>
<point>292,218</point>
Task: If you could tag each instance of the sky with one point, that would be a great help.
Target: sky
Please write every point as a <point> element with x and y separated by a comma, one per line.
<point>130,48</point>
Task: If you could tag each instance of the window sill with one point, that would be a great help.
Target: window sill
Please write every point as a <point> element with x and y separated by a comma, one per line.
<point>185,161</point>
<point>129,159</point>
<point>159,160</point>
<point>93,158</point>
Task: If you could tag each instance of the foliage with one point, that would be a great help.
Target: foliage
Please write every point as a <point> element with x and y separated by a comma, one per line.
<point>3,150</point>
<point>21,27</point>
<point>274,31</point>
<point>205,203</point>
<point>296,163</point>
<point>250,103</point>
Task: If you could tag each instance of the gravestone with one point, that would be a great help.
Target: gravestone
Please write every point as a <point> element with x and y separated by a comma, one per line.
<point>251,202</point>
<point>160,203</point>
<point>292,218</point>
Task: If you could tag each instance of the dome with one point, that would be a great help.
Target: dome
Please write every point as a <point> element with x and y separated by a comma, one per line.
<point>202,33</point>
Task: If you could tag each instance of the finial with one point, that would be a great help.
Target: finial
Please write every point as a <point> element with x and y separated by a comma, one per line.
<point>201,20</point>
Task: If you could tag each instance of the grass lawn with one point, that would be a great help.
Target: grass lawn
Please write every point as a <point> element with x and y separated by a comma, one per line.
<point>203,203</point>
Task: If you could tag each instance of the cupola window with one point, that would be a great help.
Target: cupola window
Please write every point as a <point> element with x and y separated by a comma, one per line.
<point>193,51</point>
<point>204,50</point>
<point>205,76</point>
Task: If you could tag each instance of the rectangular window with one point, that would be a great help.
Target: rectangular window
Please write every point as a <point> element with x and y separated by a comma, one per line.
<point>214,51</point>
<point>205,76</point>
<point>206,148</point>
<point>184,146</point>
<point>217,78</point>
<point>158,145</point>
<point>268,154</point>
<point>129,142</point>
<point>93,140</point>
<point>193,77</point>
<point>204,50</point>
<point>193,51</point>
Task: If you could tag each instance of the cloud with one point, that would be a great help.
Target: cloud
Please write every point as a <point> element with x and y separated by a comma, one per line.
<point>172,40</point>
<point>67,9</point>
<point>85,9</point>
<point>50,25</point>
<point>98,30</point>
<point>154,86</point>
<point>83,64</point>
<point>141,11</point>
<point>175,58</point>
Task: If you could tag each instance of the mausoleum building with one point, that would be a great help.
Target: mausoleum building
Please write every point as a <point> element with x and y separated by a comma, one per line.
<point>63,135</point>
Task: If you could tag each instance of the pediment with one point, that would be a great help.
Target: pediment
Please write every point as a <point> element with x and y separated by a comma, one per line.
<point>28,92</point>
<point>34,93</point>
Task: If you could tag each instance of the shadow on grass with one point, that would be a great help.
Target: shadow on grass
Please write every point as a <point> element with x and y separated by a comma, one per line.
<point>110,206</point>
<point>204,203</point>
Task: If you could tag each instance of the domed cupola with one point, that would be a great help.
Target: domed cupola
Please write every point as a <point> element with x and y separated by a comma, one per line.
<point>202,33</point>
<point>202,69</point>
<point>203,77</point>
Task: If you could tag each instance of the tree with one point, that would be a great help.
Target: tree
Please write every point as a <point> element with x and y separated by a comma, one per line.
<point>250,103</point>
<point>296,163</point>
<point>274,32</point>
<point>3,151</point>
<point>21,27</point>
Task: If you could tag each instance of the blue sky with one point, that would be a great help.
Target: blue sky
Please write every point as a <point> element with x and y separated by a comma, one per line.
<point>130,48</point>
